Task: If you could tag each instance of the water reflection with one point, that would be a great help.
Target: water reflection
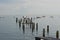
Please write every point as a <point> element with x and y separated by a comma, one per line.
<point>30,26</point>
<point>33,27</point>
<point>23,28</point>
<point>47,34</point>
<point>19,24</point>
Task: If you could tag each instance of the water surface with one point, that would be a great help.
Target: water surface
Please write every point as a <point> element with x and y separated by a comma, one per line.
<point>10,30</point>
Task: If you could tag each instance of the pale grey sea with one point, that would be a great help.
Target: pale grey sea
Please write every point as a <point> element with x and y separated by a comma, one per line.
<point>10,30</point>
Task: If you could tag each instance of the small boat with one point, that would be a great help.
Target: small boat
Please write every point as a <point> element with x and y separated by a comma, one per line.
<point>43,16</point>
<point>38,17</point>
<point>51,16</point>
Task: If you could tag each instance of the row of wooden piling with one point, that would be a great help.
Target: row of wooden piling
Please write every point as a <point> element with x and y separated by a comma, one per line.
<point>32,25</point>
<point>57,32</point>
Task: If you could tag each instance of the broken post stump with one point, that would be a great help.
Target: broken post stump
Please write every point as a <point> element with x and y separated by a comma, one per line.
<point>16,19</point>
<point>47,28</point>
<point>57,34</point>
<point>43,32</point>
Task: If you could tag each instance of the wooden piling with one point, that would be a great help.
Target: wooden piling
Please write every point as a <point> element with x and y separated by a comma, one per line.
<point>47,28</point>
<point>57,34</point>
<point>16,19</point>
<point>36,26</point>
<point>43,32</point>
<point>31,20</point>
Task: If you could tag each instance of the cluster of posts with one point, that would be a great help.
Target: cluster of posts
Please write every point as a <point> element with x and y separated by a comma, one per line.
<point>31,24</point>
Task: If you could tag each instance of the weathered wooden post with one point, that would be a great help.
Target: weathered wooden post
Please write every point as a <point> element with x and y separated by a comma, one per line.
<point>36,26</point>
<point>19,23</point>
<point>43,32</point>
<point>47,28</point>
<point>57,34</point>
<point>16,20</point>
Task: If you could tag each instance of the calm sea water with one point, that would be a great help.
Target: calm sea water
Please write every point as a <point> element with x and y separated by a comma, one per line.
<point>10,30</point>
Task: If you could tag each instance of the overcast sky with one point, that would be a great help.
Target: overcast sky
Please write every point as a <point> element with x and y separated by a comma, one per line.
<point>29,7</point>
